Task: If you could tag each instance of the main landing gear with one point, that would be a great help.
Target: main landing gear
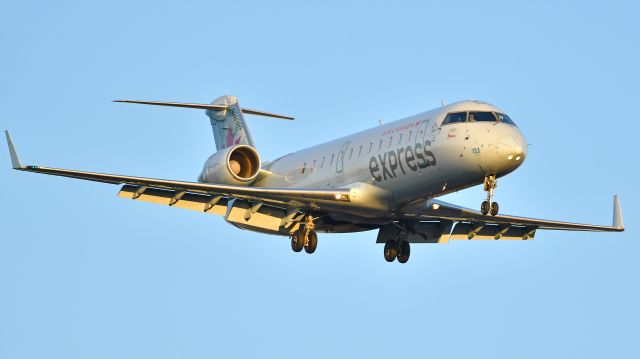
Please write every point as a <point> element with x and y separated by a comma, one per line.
<point>488,207</point>
<point>305,237</point>
<point>397,248</point>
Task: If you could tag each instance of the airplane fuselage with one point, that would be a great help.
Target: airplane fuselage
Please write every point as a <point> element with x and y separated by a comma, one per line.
<point>415,157</point>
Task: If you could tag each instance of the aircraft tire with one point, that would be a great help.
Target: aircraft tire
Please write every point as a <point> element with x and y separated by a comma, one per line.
<point>404,250</point>
<point>313,243</point>
<point>297,240</point>
<point>391,250</point>
<point>494,208</point>
<point>485,207</point>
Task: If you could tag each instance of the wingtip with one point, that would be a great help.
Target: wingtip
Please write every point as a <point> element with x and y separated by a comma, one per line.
<point>15,161</point>
<point>618,223</point>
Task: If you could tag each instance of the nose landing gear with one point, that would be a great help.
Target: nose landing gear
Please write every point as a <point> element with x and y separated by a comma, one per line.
<point>488,207</point>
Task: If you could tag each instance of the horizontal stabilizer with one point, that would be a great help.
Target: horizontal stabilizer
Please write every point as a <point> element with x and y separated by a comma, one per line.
<point>247,111</point>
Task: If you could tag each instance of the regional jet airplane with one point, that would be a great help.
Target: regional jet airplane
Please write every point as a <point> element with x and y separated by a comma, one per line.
<point>386,178</point>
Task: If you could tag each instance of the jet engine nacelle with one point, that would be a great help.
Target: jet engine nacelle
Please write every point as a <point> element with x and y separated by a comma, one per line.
<point>236,165</point>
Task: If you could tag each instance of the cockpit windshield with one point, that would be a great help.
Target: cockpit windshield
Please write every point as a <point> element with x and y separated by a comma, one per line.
<point>506,119</point>
<point>455,117</point>
<point>477,116</point>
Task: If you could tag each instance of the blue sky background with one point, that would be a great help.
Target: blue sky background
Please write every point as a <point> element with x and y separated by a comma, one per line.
<point>84,274</point>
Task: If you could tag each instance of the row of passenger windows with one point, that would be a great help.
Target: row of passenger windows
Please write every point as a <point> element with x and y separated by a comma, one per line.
<point>348,154</point>
<point>477,116</point>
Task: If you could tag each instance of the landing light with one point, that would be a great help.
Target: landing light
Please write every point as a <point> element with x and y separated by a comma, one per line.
<point>518,158</point>
<point>338,196</point>
<point>510,157</point>
<point>435,206</point>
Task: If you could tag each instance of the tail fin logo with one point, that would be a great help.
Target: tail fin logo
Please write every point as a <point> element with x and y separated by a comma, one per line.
<point>232,139</point>
<point>229,126</point>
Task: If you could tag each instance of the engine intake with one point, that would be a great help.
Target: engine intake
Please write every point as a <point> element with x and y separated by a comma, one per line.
<point>237,165</point>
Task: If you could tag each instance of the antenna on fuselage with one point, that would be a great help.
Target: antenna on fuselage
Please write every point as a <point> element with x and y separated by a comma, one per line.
<point>380,121</point>
<point>442,102</point>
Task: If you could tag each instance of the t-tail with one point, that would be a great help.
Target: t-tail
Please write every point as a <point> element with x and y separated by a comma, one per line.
<point>227,119</point>
<point>228,124</point>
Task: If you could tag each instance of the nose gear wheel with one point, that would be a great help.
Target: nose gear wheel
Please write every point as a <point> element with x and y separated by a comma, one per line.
<point>488,207</point>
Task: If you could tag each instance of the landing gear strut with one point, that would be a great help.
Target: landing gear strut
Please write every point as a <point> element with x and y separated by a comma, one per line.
<point>488,207</point>
<point>305,237</point>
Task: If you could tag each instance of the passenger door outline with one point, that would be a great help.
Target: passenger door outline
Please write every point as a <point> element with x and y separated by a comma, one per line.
<point>340,160</point>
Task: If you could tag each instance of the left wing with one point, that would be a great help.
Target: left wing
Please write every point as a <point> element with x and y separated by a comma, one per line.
<point>434,221</point>
<point>440,221</point>
<point>444,210</point>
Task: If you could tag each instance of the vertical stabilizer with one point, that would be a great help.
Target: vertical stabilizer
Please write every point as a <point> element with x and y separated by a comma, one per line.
<point>229,126</point>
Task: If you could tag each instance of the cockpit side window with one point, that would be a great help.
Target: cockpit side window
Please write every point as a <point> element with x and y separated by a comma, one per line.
<point>477,116</point>
<point>506,119</point>
<point>455,117</point>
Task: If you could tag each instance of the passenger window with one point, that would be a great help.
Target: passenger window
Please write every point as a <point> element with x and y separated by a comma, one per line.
<point>455,117</point>
<point>481,117</point>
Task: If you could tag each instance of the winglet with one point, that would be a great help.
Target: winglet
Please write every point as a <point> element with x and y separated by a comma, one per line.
<point>617,214</point>
<point>15,162</point>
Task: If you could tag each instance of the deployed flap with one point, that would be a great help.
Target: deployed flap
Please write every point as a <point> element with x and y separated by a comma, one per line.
<point>479,231</point>
<point>245,213</point>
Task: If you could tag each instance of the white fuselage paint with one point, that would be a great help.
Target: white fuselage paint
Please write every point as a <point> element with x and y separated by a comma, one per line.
<point>442,159</point>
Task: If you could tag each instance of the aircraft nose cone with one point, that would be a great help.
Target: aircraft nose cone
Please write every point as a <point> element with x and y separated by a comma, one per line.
<point>512,150</point>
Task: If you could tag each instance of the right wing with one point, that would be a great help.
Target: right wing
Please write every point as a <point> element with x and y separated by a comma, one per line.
<point>287,203</point>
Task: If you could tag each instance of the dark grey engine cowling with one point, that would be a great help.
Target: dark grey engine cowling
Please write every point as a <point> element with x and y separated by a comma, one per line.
<point>236,165</point>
